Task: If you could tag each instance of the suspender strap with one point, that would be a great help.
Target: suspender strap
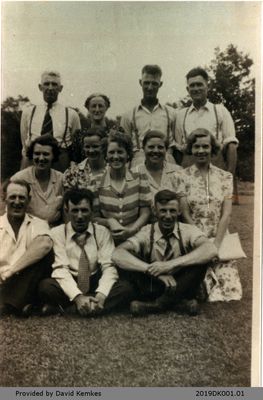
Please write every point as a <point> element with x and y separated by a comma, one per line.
<point>184,131</point>
<point>135,128</point>
<point>217,122</point>
<point>168,122</point>
<point>181,245</point>
<point>66,127</point>
<point>95,235</point>
<point>151,243</point>
<point>30,122</point>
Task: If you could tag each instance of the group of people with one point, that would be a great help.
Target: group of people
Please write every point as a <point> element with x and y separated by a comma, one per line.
<point>104,216</point>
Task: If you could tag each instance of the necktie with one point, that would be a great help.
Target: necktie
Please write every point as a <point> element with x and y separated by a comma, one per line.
<point>84,266</point>
<point>168,253</point>
<point>47,126</point>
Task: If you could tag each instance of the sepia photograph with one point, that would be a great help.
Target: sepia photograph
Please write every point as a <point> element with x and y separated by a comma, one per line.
<point>130,209</point>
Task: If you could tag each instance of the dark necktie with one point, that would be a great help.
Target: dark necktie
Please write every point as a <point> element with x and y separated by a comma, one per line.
<point>84,265</point>
<point>47,126</point>
<point>168,253</point>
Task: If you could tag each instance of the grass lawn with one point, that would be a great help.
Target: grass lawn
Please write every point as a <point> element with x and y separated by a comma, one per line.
<point>212,349</point>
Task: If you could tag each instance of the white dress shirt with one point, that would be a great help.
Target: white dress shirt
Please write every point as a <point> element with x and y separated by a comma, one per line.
<point>58,116</point>
<point>67,255</point>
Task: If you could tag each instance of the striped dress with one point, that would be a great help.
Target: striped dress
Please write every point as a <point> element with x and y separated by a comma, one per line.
<point>124,206</point>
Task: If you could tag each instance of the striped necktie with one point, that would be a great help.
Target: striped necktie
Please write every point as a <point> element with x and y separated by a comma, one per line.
<point>84,265</point>
<point>47,126</point>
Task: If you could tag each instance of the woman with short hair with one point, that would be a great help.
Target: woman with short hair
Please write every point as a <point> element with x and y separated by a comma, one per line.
<point>45,182</point>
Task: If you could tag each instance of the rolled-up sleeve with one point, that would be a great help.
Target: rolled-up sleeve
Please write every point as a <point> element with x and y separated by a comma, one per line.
<point>61,266</point>
<point>228,128</point>
<point>105,250</point>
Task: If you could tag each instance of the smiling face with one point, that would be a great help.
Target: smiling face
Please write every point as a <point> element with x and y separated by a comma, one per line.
<point>197,88</point>
<point>92,147</point>
<point>79,215</point>
<point>202,150</point>
<point>167,215</point>
<point>155,151</point>
<point>17,200</point>
<point>97,108</point>
<point>150,85</point>
<point>50,86</point>
<point>42,157</point>
<point>117,156</point>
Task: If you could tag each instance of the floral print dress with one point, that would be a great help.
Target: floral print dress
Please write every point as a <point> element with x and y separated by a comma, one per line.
<point>205,199</point>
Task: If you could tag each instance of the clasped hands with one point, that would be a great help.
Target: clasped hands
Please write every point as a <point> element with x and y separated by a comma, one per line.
<point>90,305</point>
<point>118,231</point>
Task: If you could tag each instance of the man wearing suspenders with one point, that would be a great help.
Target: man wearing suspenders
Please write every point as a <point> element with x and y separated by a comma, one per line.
<point>165,262</point>
<point>203,114</point>
<point>49,117</point>
<point>149,114</point>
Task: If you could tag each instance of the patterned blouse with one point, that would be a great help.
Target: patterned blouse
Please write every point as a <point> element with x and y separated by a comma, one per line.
<point>80,176</point>
<point>124,206</point>
<point>205,198</point>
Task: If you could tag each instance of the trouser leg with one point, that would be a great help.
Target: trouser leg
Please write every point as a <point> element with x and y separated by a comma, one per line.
<point>121,294</point>
<point>21,289</point>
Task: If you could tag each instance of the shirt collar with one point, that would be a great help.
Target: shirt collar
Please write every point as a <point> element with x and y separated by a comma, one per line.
<point>5,224</point>
<point>207,106</point>
<point>195,171</point>
<point>53,104</point>
<point>32,176</point>
<point>141,106</point>
<point>158,234</point>
<point>84,165</point>
<point>106,179</point>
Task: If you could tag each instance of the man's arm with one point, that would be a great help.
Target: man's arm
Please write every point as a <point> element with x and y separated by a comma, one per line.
<point>126,124</point>
<point>123,257</point>
<point>38,248</point>
<point>231,157</point>
<point>204,252</point>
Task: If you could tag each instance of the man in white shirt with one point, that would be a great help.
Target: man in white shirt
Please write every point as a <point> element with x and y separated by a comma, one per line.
<point>25,256</point>
<point>49,117</point>
<point>149,115</point>
<point>203,114</point>
<point>84,279</point>
<point>165,262</point>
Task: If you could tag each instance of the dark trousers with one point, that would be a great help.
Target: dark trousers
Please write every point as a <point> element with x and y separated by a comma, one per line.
<point>120,295</point>
<point>145,288</point>
<point>21,288</point>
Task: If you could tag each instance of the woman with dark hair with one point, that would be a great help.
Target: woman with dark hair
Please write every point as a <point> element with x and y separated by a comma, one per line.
<point>208,205</point>
<point>93,166</point>
<point>160,173</point>
<point>45,182</point>
<point>97,105</point>
<point>122,199</point>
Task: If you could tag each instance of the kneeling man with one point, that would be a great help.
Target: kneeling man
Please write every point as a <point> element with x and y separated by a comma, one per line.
<point>84,279</point>
<point>165,262</point>
<point>25,254</point>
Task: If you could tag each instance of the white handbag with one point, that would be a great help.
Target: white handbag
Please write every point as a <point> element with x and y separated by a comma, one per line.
<point>230,248</point>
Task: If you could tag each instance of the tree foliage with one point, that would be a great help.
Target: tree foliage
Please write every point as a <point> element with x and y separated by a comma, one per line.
<point>231,84</point>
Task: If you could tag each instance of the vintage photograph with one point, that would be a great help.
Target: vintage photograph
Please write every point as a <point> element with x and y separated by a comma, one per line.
<point>130,177</point>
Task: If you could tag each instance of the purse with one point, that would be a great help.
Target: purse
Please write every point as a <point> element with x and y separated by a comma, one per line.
<point>230,248</point>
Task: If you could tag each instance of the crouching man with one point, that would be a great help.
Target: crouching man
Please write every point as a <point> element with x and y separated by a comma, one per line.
<point>165,262</point>
<point>84,279</point>
<point>25,254</point>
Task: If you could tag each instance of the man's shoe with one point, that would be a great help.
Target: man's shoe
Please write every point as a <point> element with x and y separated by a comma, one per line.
<point>28,310</point>
<point>139,308</point>
<point>49,309</point>
<point>190,307</point>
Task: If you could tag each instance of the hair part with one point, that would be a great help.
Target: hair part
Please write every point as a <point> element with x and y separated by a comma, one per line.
<point>200,133</point>
<point>152,70</point>
<point>151,134</point>
<point>197,71</point>
<point>105,98</point>
<point>164,196</point>
<point>45,140</point>
<point>77,195</point>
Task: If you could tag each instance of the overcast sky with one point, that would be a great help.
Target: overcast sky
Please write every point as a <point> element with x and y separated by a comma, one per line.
<point>102,46</point>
